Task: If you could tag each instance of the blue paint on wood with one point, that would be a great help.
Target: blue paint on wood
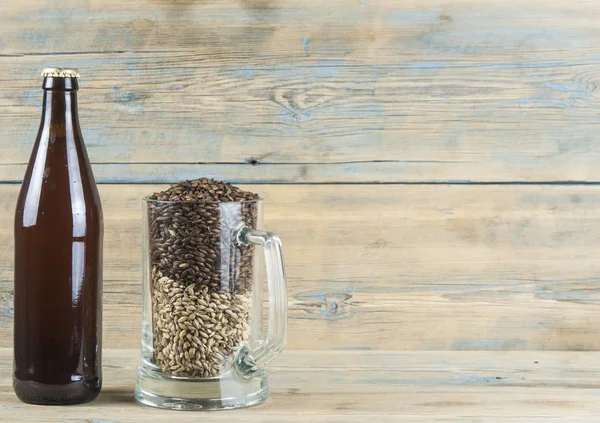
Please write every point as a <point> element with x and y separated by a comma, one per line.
<point>485,41</point>
<point>502,65</point>
<point>428,66</point>
<point>559,87</point>
<point>413,16</point>
<point>579,295</point>
<point>543,101</point>
<point>479,380</point>
<point>134,106</point>
<point>33,97</point>
<point>234,16</point>
<point>331,62</point>
<point>327,305</point>
<point>327,70</point>
<point>487,344</point>
<point>305,42</point>
<point>373,111</point>
<point>245,71</point>
<point>355,348</point>
<point>6,312</point>
<point>292,116</point>
<point>132,100</point>
<point>389,354</point>
<point>52,14</point>
<point>32,36</point>
<point>588,296</point>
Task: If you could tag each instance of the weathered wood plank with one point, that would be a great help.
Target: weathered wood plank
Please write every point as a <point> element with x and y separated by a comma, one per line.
<point>319,386</point>
<point>451,27</point>
<point>348,91</point>
<point>394,267</point>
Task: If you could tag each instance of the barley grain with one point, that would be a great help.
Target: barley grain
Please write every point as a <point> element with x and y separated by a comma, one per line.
<point>201,281</point>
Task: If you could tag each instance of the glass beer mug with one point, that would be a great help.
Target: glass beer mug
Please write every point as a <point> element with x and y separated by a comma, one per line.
<point>202,331</point>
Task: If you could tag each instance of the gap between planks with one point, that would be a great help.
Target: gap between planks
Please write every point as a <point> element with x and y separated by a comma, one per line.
<point>253,171</point>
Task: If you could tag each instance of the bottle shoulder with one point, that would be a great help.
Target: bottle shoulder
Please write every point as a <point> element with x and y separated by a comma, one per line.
<point>48,203</point>
<point>59,181</point>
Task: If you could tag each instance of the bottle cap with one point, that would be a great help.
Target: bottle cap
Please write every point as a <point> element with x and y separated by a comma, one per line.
<point>60,73</point>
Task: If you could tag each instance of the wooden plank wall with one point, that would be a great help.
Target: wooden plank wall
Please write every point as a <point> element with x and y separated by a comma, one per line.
<point>431,166</point>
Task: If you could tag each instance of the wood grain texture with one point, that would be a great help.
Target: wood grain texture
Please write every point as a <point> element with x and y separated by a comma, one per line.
<point>337,91</point>
<point>395,267</point>
<point>351,386</point>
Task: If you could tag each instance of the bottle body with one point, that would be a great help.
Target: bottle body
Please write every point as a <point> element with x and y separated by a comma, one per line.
<point>58,262</point>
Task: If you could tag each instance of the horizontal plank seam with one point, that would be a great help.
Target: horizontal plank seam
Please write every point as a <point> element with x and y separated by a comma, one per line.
<point>500,65</point>
<point>73,53</point>
<point>257,161</point>
<point>155,182</point>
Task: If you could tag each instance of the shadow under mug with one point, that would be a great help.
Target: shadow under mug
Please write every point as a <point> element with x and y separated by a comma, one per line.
<point>203,346</point>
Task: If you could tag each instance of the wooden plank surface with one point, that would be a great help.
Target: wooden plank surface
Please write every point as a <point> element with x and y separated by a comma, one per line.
<point>395,267</point>
<point>351,386</point>
<point>337,91</point>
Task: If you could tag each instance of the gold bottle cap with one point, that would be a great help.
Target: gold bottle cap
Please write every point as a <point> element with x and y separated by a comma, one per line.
<point>60,73</point>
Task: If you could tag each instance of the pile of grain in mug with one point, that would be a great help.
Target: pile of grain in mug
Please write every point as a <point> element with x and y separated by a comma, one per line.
<point>201,282</point>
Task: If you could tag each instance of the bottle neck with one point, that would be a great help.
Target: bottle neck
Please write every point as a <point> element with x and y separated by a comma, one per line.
<point>59,112</point>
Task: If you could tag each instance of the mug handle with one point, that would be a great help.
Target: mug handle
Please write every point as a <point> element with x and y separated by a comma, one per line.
<point>249,361</point>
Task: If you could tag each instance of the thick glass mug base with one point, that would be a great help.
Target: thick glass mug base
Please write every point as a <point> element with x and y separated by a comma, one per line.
<point>223,392</point>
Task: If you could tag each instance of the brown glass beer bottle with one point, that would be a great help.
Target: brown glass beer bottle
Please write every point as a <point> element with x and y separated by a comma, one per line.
<point>58,259</point>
